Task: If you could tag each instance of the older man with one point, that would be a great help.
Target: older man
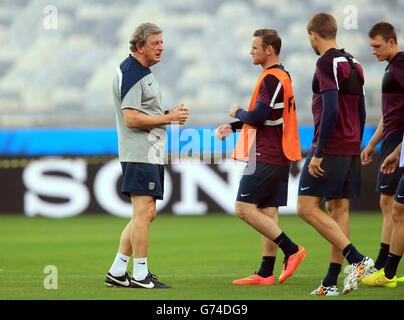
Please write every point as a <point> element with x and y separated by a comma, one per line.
<point>140,121</point>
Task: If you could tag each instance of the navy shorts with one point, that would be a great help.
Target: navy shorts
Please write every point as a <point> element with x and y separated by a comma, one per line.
<point>342,178</point>
<point>387,183</point>
<point>266,187</point>
<point>399,197</point>
<point>143,179</point>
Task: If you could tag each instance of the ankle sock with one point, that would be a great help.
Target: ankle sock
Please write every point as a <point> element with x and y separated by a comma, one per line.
<point>119,265</point>
<point>288,246</point>
<point>382,257</point>
<point>267,266</point>
<point>140,269</point>
<point>391,266</point>
<point>331,277</point>
<point>351,254</point>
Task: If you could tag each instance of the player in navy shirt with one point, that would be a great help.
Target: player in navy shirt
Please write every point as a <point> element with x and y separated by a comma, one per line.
<point>383,40</point>
<point>332,168</point>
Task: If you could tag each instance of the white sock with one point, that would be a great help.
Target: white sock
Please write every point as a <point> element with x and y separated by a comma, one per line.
<point>140,269</point>
<point>119,265</point>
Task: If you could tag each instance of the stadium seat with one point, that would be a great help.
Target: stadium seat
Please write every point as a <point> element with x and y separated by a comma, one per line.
<point>206,62</point>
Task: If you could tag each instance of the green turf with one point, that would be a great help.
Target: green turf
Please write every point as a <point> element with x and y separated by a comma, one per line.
<point>198,255</point>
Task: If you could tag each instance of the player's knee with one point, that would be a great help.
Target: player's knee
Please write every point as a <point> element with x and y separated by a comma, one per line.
<point>241,211</point>
<point>303,211</point>
<point>398,213</point>
<point>152,215</point>
<point>386,202</point>
<point>338,213</point>
<point>148,217</point>
<point>329,207</point>
<point>146,212</point>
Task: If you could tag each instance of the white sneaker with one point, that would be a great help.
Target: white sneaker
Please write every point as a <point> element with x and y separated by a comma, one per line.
<point>358,271</point>
<point>326,291</point>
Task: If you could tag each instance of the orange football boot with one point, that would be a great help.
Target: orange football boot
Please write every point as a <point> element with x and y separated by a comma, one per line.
<point>255,279</point>
<point>291,263</point>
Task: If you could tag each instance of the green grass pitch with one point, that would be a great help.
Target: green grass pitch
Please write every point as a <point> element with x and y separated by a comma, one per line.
<point>199,256</point>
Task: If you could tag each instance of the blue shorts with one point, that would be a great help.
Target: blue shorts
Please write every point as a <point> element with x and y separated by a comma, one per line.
<point>399,197</point>
<point>266,187</point>
<point>143,179</point>
<point>387,183</point>
<point>342,178</point>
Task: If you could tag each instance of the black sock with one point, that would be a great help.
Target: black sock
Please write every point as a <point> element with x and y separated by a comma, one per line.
<point>267,266</point>
<point>382,257</point>
<point>391,266</point>
<point>351,254</point>
<point>332,275</point>
<point>288,246</point>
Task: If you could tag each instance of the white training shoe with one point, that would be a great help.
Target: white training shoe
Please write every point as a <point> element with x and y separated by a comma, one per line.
<point>358,271</point>
<point>326,291</point>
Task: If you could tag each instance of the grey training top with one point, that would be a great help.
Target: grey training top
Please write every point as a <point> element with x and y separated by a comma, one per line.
<point>135,87</point>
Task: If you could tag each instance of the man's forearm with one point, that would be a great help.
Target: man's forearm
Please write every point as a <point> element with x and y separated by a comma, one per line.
<point>136,119</point>
<point>397,150</point>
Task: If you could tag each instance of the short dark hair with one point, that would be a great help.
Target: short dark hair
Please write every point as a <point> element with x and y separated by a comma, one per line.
<point>269,38</point>
<point>385,30</point>
<point>324,24</point>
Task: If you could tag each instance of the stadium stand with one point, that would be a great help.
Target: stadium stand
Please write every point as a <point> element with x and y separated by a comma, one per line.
<point>56,62</point>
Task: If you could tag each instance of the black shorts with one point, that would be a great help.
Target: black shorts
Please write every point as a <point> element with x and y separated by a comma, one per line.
<point>399,197</point>
<point>387,183</point>
<point>143,179</point>
<point>342,178</point>
<point>266,187</point>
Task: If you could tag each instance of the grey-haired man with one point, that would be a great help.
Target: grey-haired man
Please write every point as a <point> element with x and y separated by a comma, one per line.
<point>140,122</point>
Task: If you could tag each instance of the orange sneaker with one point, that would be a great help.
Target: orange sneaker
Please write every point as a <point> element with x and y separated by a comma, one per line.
<point>255,279</point>
<point>291,263</point>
